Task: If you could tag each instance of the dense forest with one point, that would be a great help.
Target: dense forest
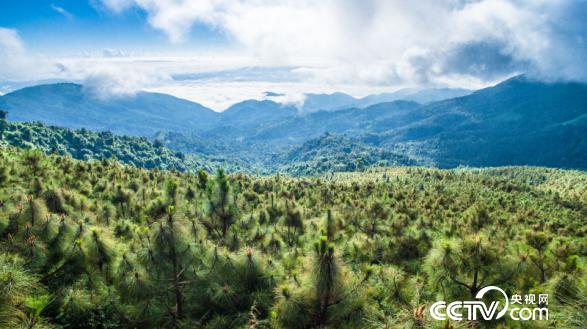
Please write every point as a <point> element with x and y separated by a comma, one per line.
<point>87,145</point>
<point>83,144</point>
<point>99,244</point>
<point>327,153</point>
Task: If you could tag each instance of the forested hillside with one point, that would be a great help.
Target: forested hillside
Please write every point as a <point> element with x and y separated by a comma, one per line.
<point>102,245</point>
<point>517,122</point>
<point>87,145</point>
<point>335,153</point>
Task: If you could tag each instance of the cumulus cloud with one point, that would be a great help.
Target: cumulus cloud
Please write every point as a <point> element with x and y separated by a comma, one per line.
<point>12,51</point>
<point>106,83</point>
<point>103,76</point>
<point>392,41</point>
<point>17,63</point>
<point>299,46</point>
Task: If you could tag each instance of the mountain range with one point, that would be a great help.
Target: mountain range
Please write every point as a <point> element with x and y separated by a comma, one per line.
<point>517,122</point>
<point>146,113</point>
<point>337,101</point>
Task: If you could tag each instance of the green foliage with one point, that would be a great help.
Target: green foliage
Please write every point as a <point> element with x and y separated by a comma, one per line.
<point>94,244</point>
<point>335,153</point>
<point>18,289</point>
<point>87,145</point>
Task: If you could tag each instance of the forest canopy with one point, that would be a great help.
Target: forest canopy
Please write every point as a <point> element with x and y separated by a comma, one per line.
<point>98,244</point>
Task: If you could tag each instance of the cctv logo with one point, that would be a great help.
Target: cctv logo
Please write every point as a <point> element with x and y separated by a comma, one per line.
<point>477,310</point>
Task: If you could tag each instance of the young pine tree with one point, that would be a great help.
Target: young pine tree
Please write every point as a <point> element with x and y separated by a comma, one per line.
<point>329,295</point>
<point>222,210</point>
<point>167,261</point>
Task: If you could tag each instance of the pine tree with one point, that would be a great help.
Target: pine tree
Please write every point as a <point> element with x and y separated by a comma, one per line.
<point>539,242</point>
<point>293,223</point>
<point>168,260</point>
<point>222,210</point>
<point>329,297</point>
<point>15,296</point>
<point>471,264</point>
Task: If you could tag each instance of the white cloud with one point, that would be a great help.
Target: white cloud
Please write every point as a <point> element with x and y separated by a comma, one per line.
<point>383,41</point>
<point>354,46</point>
<point>12,52</point>
<point>106,82</point>
<point>61,11</point>
<point>17,63</point>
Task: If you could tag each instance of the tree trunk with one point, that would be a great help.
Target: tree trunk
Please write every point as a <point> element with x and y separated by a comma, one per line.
<point>176,285</point>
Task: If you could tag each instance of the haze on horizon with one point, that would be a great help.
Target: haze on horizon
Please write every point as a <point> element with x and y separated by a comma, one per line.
<point>218,52</point>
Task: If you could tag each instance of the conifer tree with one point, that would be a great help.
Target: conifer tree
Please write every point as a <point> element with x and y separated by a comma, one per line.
<point>471,264</point>
<point>169,256</point>
<point>222,210</point>
<point>293,223</point>
<point>538,241</point>
<point>329,297</point>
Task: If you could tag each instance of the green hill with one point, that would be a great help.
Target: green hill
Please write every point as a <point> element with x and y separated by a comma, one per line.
<point>87,145</point>
<point>336,153</point>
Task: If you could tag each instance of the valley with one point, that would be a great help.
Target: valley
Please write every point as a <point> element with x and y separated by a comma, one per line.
<point>517,122</point>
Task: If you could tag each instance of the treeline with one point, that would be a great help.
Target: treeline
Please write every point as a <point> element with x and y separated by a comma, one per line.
<point>328,153</point>
<point>336,153</point>
<point>102,245</point>
<point>84,144</point>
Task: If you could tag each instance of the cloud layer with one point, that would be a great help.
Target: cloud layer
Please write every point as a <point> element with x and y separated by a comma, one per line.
<point>392,41</point>
<point>298,46</point>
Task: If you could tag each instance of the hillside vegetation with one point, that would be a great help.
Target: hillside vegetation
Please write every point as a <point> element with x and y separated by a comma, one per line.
<point>517,122</point>
<point>328,153</point>
<point>335,153</point>
<point>97,244</point>
<point>87,145</point>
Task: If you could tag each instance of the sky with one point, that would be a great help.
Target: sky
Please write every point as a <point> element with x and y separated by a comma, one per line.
<point>219,52</point>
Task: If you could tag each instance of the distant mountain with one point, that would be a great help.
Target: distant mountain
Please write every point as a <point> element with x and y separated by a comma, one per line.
<point>328,102</point>
<point>299,128</point>
<point>145,114</point>
<point>254,113</point>
<point>422,96</point>
<point>338,101</point>
<point>71,105</point>
<point>516,122</point>
<point>543,123</point>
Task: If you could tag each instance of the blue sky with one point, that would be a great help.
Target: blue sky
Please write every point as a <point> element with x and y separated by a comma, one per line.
<point>221,51</point>
<point>70,26</point>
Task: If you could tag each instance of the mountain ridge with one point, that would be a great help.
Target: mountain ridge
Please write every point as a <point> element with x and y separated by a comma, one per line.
<point>519,121</point>
<point>142,114</point>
